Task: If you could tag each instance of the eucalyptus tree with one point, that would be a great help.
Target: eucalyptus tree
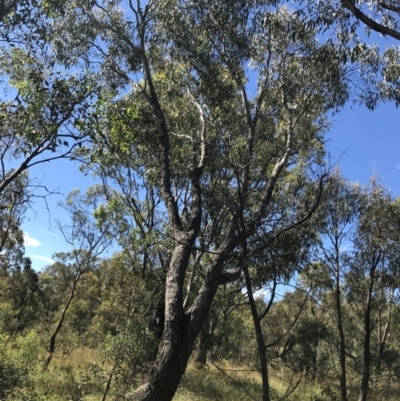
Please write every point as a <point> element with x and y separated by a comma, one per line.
<point>374,270</point>
<point>87,243</point>
<point>21,289</point>
<point>217,106</point>
<point>123,327</point>
<point>37,124</point>
<point>358,253</point>
<point>13,204</point>
<point>340,212</point>
<point>276,264</point>
<point>131,211</point>
<point>376,15</point>
<point>39,107</point>
<point>356,27</point>
<point>41,102</point>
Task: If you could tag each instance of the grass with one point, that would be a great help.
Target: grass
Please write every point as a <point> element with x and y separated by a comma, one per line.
<point>71,377</point>
<point>212,385</point>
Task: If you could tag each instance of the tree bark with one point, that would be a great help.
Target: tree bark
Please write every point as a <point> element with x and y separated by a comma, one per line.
<point>342,340</point>
<point>383,334</point>
<point>177,346</point>
<point>259,337</point>
<point>367,338</point>
<point>181,329</point>
<point>367,355</point>
<point>53,337</point>
<point>166,375</point>
<point>202,348</point>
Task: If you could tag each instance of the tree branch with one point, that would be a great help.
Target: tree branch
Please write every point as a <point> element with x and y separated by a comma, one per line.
<point>384,30</point>
<point>389,7</point>
<point>235,381</point>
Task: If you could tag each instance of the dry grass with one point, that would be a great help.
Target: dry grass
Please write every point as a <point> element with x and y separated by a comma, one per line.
<point>212,385</point>
<point>225,383</point>
<point>69,378</point>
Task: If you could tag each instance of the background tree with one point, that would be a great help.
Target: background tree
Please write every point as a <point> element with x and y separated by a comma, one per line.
<point>375,261</point>
<point>236,148</point>
<point>351,26</point>
<point>340,214</point>
<point>206,123</point>
<point>12,212</point>
<point>351,261</point>
<point>122,324</point>
<point>41,103</point>
<point>88,243</point>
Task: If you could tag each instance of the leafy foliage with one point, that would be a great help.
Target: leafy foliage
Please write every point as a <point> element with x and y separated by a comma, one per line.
<point>204,122</point>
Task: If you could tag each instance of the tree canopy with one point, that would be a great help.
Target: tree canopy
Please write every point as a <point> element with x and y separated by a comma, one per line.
<point>204,122</point>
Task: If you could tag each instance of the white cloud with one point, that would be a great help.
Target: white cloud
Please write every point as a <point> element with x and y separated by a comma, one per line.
<point>42,258</point>
<point>30,241</point>
<point>50,233</point>
<point>260,293</point>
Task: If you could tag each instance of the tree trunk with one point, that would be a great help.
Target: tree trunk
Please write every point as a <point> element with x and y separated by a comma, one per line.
<point>367,341</point>
<point>181,329</point>
<point>52,344</point>
<point>202,348</point>
<point>259,336</point>
<point>166,375</point>
<point>314,362</point>
<point>177,346</point>
<point>367,357</point>
<point>263,361</point>
<point>342,341</point>
<point>108,384</point>
<point>383,335</point>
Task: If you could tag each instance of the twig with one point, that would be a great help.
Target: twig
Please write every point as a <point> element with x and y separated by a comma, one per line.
<point>235,381</point>
<point>288,391</point>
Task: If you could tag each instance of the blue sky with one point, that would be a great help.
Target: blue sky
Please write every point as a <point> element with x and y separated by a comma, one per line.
<point>41,233</point>
<point>361,141</point>
<point>366,142</point>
